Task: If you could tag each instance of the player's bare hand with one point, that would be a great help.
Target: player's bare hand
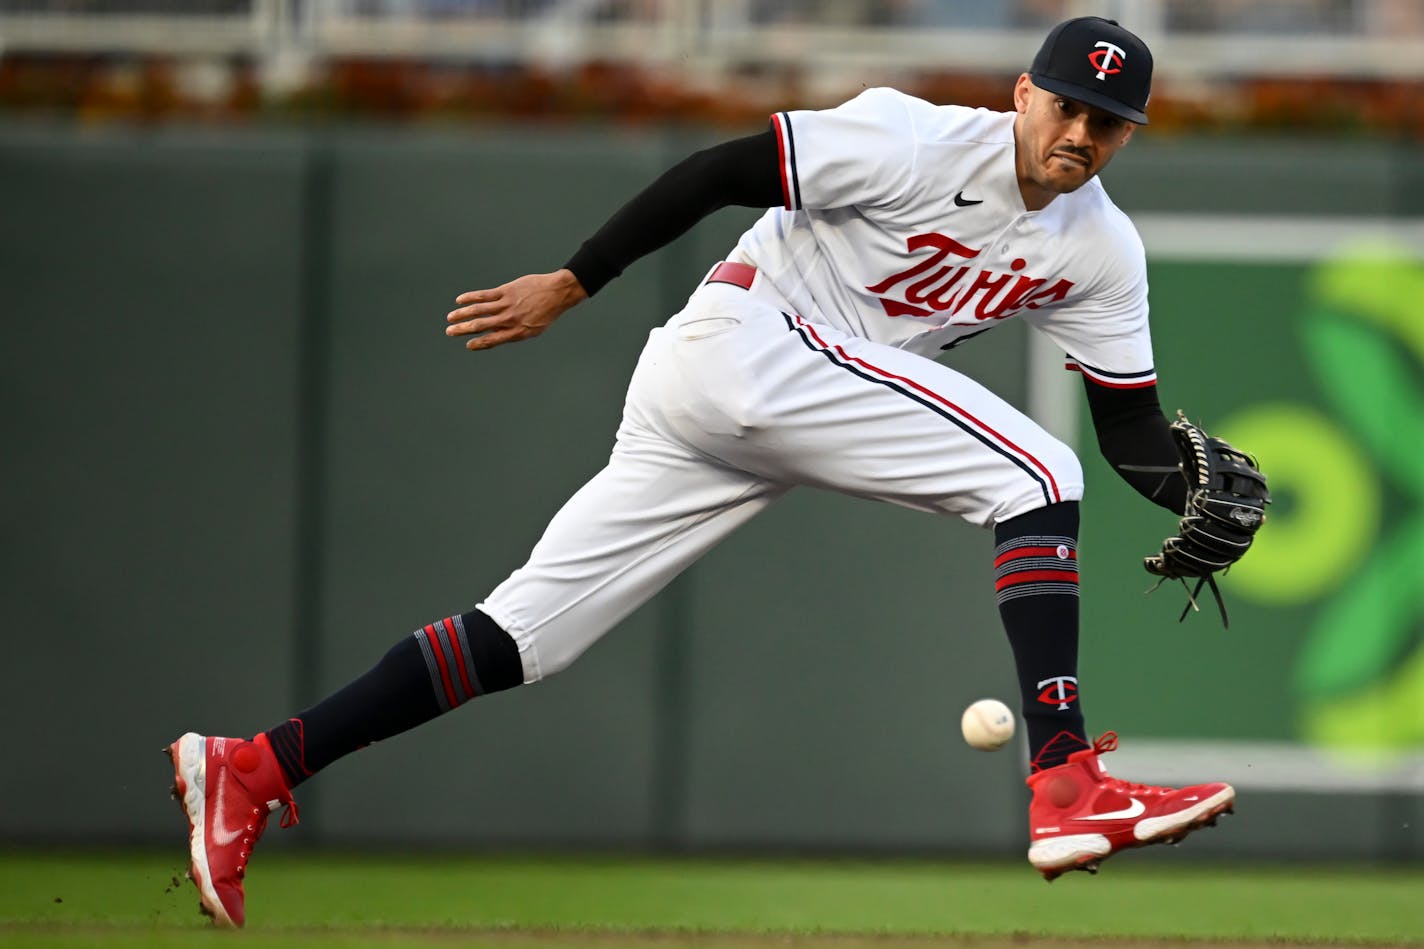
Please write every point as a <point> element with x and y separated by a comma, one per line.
<point>520,309</point>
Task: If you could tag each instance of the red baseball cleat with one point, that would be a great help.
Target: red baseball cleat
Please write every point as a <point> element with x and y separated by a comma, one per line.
<point>1080,815</point>
<point>227,787</point>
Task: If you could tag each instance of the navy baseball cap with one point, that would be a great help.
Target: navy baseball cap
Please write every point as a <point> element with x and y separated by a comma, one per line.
<point>1098,62</point>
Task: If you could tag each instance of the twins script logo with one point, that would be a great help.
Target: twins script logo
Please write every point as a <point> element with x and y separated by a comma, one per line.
<point>1107,58</point>
<point>945,284</point>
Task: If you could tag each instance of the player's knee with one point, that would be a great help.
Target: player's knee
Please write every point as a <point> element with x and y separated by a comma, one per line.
<point>1065,470</point>
<point>1056,477</point>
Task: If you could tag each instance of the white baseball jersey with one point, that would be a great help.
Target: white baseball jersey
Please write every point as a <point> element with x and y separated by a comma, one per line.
<point>803,363</point>
<point>904,225</point>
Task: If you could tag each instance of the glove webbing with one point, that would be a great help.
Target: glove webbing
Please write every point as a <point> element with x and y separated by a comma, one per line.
<point>1205,579</point>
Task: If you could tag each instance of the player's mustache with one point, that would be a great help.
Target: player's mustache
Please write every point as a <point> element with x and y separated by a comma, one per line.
<point>1076,151</point>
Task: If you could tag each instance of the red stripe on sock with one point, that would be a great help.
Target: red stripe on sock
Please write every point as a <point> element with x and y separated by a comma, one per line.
<point>1018,552</point>
<point>440,661</point>
<point>459,659</point>
<point>1033,576</point>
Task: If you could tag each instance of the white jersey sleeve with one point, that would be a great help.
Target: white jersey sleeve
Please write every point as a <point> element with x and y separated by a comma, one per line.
<point>859,153</point>
<point>1105,334</point>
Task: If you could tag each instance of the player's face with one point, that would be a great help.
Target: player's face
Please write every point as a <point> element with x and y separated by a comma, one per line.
<point>1061,143</point>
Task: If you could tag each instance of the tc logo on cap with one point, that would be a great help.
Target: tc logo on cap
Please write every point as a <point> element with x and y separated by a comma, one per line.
<point>1107,58</point>
<point>1079,55</point>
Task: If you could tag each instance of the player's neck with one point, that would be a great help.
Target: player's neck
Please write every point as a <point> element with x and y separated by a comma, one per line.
<point>1034,197</point>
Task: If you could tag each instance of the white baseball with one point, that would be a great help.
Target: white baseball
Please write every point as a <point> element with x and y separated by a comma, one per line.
<point>987,724</point>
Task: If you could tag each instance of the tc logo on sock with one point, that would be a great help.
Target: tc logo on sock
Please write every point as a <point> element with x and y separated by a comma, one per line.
<point>1058,690</point>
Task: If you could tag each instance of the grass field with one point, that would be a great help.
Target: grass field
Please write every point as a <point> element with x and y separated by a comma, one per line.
<point>533,903</point>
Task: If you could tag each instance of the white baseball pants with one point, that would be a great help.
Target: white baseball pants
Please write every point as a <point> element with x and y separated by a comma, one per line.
<point>733,403</point>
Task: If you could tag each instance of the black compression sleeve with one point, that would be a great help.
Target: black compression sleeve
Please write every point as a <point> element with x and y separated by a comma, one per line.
<point>744,172</point>
<point>1132,431</point>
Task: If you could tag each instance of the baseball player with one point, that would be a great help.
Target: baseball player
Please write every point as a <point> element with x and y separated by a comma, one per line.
<point>895,230</point>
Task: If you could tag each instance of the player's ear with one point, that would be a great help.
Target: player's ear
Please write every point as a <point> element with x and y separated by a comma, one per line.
<point>1023,89</point>
<point>1127,130</point>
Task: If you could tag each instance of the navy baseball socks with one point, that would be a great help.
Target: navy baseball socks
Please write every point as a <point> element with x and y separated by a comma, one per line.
<point>1078,814</point>
<point>1036,581</point>
<point>432,671</point>
<point>227,787</point>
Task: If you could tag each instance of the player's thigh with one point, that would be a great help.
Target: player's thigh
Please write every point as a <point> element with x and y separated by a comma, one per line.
<point>876,421</point>
<point>620,539</point>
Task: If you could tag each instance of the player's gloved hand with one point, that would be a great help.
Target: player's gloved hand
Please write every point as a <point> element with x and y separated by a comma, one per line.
<point>520,309</point>
<point>1226,505</point>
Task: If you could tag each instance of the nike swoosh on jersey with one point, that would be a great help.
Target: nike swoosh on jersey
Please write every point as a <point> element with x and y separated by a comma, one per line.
<point>960,201</point>
<point>1132,810</point>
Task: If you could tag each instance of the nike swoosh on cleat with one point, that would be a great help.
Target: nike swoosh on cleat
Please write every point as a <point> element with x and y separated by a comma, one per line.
<point>1132,810</point>
<point>222,835</point>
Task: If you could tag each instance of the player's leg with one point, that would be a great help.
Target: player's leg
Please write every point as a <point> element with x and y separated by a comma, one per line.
<point>1079,814</point>
<point>619,540</point>
<point>1036,585</point>
<point>653,510</point>
<point>229,786</point>
<point>879,422</point>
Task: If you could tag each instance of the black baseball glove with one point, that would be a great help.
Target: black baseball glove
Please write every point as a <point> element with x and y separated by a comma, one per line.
<point>1226,505</point>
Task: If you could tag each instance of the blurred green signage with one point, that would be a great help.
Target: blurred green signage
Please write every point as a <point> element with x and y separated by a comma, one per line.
<point>1351,542</point>
<point>1318,369</point>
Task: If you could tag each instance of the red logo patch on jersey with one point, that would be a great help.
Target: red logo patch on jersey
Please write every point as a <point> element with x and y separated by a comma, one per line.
<point>933,287</point>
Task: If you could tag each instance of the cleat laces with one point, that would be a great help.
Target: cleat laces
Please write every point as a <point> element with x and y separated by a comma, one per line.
<point>258,826</point>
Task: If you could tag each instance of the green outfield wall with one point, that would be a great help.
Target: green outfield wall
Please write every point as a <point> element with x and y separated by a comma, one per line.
<point>241,459</point>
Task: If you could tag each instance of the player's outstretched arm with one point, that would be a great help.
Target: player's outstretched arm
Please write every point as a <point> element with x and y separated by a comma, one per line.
<point>520,309</point>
